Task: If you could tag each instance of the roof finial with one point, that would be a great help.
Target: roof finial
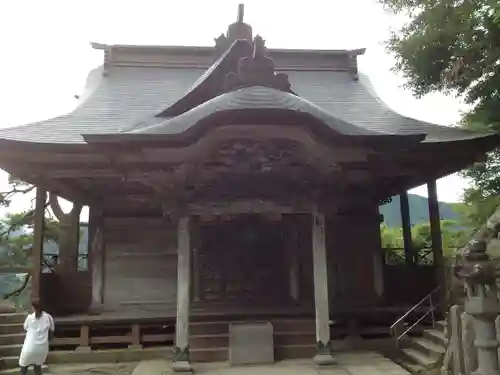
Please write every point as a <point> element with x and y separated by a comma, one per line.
<point>241,12</point>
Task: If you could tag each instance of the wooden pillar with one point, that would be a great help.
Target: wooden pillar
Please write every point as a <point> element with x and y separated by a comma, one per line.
<point>37,251</point>
<point>195,245</point>
<point>292,257</point>
<point>181,349</point>
<point>435,226</point>
<point>406,224</point>
<point>96,256</point>
<point>321,297</point>
<point>378,261</point>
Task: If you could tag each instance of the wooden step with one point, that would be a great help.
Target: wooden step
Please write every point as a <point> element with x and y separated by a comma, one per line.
<point>10,350</point>
<point>215,354</point>
<point>10,339</point>
<point>279,325</point>
<point>11,328</point>
<point>209,328</point>
<point>208,341</point>
<point>294,351</point>
<point>294,338</point>
<point>9,318</point>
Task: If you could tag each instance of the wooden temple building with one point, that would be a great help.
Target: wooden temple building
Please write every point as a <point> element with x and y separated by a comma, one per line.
<point>233,182</point>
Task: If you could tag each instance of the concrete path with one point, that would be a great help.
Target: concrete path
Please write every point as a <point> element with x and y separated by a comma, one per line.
<point>353,363</point>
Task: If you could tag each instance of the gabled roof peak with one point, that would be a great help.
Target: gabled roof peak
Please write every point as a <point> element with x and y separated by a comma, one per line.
<point>256,70</point>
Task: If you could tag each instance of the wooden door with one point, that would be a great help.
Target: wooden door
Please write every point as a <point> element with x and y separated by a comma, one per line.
<point>242,260</point>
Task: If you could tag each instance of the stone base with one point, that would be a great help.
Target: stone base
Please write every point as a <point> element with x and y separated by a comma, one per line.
<point>324,360</point>
<point>83,349</point>
<point>136,347</point>
<point>182,366</point>
<point>96,309</point>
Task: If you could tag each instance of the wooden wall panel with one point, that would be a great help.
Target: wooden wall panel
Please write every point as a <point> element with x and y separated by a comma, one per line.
<point>140,263</point>
<point>352,240</point>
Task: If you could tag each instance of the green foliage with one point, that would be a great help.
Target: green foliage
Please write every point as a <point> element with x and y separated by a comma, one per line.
<point>453,46</point>
<point>453,236</point>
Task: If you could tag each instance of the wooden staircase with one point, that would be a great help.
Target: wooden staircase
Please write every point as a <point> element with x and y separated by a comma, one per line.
<point>425,352</point>
<point>293,338</point>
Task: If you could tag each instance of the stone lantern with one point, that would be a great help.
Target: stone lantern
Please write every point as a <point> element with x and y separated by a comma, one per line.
<point>481,302</point>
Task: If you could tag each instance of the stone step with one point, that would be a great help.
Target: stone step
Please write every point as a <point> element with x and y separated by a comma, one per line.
<point>97,356</point>
<point>13,338</point>
<point>9,318</point>
<point>11,328</point>
<point>110,355</point>
<point>15,370</point>
<point>436,336</point>
<point>441,325</point>
<point>412,368</point>
<point>416,357</point>
<point>427,347</point>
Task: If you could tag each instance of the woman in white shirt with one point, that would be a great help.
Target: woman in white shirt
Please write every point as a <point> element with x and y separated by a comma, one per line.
<point>39,327</point>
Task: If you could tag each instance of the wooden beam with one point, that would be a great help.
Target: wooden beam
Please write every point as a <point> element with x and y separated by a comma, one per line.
<point>37,251</point>
<point>406,224</point>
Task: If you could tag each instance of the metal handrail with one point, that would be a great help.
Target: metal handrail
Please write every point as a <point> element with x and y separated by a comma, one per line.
<point>432,308</point>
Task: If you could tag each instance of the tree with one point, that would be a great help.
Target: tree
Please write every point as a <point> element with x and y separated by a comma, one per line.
<point>453,46</point>
<point>16,236</point>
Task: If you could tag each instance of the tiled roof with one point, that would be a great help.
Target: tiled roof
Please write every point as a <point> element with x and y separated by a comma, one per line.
<point>128,98</point>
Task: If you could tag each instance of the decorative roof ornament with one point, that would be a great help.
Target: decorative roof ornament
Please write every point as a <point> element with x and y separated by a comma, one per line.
<point>238,30</point>
<point>257,70</point>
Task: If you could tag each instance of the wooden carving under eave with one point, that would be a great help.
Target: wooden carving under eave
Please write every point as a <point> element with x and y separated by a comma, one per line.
<point>262,156</point>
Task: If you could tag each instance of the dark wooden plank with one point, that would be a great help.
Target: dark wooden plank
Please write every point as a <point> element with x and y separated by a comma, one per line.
<point>37,251</point>
<point>406,224</point>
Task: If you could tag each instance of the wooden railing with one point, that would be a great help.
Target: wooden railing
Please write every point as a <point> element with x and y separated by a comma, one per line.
<point>401,327</point>
<point>396,256</point>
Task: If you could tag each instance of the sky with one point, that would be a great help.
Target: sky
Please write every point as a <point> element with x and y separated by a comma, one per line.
<point>46,53</point>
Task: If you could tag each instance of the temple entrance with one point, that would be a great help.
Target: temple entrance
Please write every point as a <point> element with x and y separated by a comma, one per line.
<point>241,261</point>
